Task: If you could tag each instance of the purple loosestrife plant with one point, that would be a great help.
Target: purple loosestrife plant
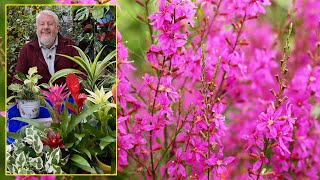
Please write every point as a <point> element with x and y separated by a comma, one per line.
<point>275,129</point>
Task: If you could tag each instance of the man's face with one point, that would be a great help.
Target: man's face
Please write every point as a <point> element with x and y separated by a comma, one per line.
<point>47,30</point>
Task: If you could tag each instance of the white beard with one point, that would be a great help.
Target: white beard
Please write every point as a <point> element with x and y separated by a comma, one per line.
<point>47,41</point>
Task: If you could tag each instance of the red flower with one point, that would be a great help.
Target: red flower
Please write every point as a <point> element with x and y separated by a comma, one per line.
<point>101,36</point>
<point>54,140</point>
<point>87,28</point>
<point>73,85</point>
<point>71,108</point>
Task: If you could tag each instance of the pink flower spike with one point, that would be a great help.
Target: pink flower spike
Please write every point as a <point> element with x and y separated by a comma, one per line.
<point>56,96</point>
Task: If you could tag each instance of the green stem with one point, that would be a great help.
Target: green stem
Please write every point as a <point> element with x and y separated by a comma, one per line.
<point>178,130</point>
<point>210,25</point>
<point>232,50</point>
<point>152,113</point>
<point>149,25</point>
<point>265,152</point>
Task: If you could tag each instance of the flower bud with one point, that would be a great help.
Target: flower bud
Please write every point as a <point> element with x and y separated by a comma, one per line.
<point>140,3</point>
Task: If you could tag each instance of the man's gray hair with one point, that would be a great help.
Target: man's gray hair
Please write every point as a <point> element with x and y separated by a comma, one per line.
<point>48,13</point>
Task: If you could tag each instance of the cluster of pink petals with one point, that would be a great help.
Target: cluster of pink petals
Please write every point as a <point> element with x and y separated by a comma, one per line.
<point>56,94</point>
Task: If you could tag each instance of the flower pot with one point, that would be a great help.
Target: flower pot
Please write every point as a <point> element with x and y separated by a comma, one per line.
<point>29,108</point>
<point>105,168</point>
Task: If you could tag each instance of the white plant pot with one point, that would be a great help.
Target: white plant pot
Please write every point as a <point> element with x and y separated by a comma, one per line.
<point>29,108</point>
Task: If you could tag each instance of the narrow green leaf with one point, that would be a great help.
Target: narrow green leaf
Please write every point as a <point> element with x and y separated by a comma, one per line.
<point>101,67</point>
<point>14,135</point>
<point>78,60</point>
<point>99,171</point>
<point>87,63</point>
<point>111,149</point>
<point>103,64</point>
<point>32,122</point>
<point>50,109</point>
<point>113,165</point>
<point>80,160</point>
<point>87,152</point>
<point>92,130</point>
<point>113,133</point>
<point>68,145</point>
<point>74,122</point>
<point>55,125</point>
<point>83,55</point>
<point>65,119</point>
<point>86,168</point>
<point>103,144</point>
<point>79,136</point>
<point>94,64</point>
<point>63,73</point>
<point>108,139</point>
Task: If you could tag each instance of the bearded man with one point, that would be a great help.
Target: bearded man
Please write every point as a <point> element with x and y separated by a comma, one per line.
<point>42,52</point>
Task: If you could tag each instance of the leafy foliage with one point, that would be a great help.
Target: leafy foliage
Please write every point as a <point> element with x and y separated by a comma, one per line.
<point>94,69</point>
<point>98,30</point>
<point>89,131</point>
<point>28,155</point>
<point>30,89</point>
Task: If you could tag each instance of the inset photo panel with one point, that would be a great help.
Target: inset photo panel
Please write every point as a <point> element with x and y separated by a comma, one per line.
<point>61,90</point>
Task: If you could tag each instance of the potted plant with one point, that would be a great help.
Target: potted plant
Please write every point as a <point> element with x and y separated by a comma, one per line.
<point>104,118</point>
<point>88,133</point>
<point>27,94</point>
<point>93,69</point>
<point>36,150</point>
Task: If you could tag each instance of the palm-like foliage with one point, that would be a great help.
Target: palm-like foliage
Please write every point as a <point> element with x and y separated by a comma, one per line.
<point>93,70</point>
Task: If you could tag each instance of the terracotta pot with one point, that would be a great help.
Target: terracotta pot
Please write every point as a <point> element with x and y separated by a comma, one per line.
<point>29,108</point>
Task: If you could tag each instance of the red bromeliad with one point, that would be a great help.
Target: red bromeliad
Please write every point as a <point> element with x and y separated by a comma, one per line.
<point>54,140</point>
<point>73,85</point>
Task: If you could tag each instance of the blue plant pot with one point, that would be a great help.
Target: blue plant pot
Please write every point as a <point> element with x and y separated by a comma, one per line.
<point>15,125</point>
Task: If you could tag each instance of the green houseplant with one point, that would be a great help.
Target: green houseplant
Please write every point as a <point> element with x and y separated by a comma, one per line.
<point>88,133</point>
<point>104,119</point>
<point>28,93</point>
<point>29,154</point>
<point>94,69</point>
